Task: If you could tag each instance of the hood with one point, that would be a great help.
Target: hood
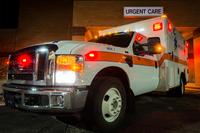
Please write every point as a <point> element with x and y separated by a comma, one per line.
<point>83,48</point>
<point>66,47</point>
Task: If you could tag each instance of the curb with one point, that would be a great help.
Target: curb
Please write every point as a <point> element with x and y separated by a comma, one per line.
<point>192,85</point>
<point>195,87</point>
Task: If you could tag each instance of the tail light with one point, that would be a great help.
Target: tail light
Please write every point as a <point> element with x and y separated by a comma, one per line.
<point>66,68</point>
<point>157,26</point>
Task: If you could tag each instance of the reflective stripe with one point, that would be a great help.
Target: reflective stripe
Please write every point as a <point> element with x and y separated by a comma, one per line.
<point>171,58</point>
<point>143,61</point>
<point>118,57</point>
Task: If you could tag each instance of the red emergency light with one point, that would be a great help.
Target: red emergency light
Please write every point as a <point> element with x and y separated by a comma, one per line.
<point>91,55</point>
<point>24,60</point>
<point>157,26</point>
<point>7,62</point>
<point>139,37</point>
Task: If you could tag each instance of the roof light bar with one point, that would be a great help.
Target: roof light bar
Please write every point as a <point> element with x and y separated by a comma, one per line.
<point>157,26</point>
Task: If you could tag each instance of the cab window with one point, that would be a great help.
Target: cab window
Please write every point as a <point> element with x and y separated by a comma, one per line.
<point>121,39</point>
<point>139,47</point>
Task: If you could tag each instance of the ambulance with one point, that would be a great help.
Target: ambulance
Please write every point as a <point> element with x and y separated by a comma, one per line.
<point>99,78</point>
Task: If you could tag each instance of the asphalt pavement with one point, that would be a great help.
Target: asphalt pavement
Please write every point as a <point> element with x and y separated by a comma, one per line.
<point>154,113</point>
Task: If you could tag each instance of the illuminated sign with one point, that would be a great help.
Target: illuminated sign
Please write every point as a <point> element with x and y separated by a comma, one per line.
<point>142,11</point>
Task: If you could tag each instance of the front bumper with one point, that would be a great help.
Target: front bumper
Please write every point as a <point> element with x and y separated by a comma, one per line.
<point>39,98</point>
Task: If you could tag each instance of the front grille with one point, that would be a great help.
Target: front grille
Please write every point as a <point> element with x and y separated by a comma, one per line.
<point>15,67</point>
<point>36,67</point>
<point>20,76</point>
<point>41,66</point>
<point>17,71</point>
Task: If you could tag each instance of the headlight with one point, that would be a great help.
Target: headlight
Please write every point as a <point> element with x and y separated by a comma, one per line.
<point>68,77</point>
<point>67,68</point>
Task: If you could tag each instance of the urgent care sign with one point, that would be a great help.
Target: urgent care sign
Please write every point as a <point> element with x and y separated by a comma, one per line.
<point>130,12</point>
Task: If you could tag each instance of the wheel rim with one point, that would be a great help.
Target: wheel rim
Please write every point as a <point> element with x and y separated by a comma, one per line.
<point>111,105</point>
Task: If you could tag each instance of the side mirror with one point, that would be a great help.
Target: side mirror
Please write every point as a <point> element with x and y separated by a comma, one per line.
<point>154,46</point>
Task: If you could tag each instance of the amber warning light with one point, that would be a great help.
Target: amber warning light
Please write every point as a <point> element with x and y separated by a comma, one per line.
<point>158,48</point>
<point>70,63</point>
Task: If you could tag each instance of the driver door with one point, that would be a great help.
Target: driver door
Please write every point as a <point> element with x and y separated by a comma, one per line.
<point>145,70</point>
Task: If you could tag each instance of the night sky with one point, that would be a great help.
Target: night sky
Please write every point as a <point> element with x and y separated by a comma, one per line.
<point>9,11</point>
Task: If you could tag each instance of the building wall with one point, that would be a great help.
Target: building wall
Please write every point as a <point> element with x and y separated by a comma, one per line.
<point>197,56</point>
<point>7,41</point>
<point>44,20</point>
<point>39,21</point>
<point>110,13</point>
<point>191,60</point>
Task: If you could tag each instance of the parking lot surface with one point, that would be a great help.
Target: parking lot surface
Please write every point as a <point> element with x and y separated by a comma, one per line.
<point>154,113</point>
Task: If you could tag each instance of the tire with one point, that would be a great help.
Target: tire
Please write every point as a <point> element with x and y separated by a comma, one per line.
<point>108,106</point>
<point>181,88</point>
<point>178,91</point>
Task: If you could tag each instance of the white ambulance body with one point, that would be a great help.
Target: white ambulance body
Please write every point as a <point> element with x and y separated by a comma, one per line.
<point>174,57</point>
<point>100,77</point>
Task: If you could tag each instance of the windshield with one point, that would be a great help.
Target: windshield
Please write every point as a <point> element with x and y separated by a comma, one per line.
<point>121,39</point>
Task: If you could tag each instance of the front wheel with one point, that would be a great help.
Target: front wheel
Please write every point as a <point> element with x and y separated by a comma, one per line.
<point>109,103</point>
